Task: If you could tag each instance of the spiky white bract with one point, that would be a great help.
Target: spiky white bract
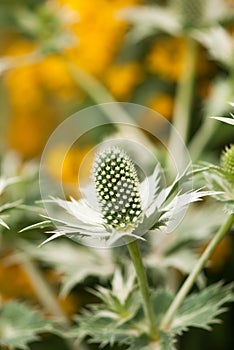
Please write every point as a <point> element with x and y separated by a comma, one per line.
<point>116,206</point>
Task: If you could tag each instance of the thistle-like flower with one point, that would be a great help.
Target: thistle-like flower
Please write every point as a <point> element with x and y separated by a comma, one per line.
<point>116,206</point>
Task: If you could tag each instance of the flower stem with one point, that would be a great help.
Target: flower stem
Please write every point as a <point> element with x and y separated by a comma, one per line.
<point>43,291</point>
<point>168,318</point>
<point>135,255</point>
<point>184,99</point>
<point>185,91</point>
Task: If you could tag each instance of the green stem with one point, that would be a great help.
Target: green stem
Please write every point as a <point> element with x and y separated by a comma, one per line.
<point>43,291</point>
<point>202,138</point>
<point>185,91</point>
<point>168,318</point>
<point>135,255</point>
<point>184,97</point>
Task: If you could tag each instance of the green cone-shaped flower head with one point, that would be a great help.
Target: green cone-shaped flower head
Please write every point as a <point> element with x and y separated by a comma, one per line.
<point>117,189</point>
<point>227,162</point>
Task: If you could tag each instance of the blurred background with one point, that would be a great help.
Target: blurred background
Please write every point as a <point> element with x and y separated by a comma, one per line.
<point>60,56</point>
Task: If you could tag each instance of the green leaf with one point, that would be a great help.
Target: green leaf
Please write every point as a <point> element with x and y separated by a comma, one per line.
<point>167,341</point>
<point>102,330</point>
<point>143,342</point>
<point>73,262</point>
<point>102,323</point>
<point>161,301</point>
<point>201,309</point>
<point>20,325</point>
<point>140,343</point>
<point>122,301</point>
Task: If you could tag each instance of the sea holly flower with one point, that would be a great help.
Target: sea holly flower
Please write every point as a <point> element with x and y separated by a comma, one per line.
<point>116,206</point>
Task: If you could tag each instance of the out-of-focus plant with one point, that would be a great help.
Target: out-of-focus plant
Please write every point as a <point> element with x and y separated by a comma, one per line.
<point>191,23</point>
<point>60,56</point>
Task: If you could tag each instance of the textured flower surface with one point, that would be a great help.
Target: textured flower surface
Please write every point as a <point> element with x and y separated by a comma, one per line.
<point>117,206</point>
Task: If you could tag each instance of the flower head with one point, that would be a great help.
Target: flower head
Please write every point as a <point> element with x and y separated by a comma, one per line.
<point>117,188</point>
<point>116,205</point>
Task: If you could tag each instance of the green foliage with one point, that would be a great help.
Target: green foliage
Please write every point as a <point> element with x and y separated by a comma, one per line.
<point>64,257</point>
<point>42,22</point>
<point>219,181</point>
<point>203,308</point>
<point>4,183</point>
<point>179,17</point>
<point>21,325</point>
<point>111,322</point>
<point>144,343</point>
<point>102,330</point>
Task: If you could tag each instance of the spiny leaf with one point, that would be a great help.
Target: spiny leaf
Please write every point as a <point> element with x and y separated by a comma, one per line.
<point>167,341</point>
<point>143,342</point>
<point>161,301</point>
<point>201,309</point>
<point>20,325</point>
<point>64,257</point>
<point>122,302</point>
<point>140,343</point>
<point>102,330</point>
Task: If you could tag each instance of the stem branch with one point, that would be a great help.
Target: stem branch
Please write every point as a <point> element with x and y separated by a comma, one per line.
<point>166,322</point>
